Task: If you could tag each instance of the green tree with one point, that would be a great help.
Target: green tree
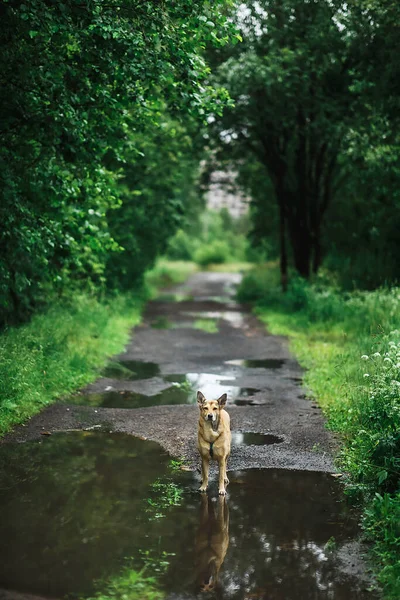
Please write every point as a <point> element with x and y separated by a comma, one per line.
<point>290,82</point>
<point>81,87</point>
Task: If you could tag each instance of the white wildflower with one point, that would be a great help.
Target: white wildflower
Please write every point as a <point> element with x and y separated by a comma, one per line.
<point>365,357</point>
<point>366,375</point>
<point>377,355</point>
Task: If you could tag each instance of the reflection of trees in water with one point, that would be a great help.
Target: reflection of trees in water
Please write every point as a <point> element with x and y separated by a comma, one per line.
<point>71,508</point>
<point>279,523</point>
<point>277,536</point>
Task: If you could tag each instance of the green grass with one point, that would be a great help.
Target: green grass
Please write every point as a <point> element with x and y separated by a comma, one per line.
<point>60,351</point>
<point>350,345</point>
<point>168,272</point>
<point>130,584</point>
<point>207,325</point>
<point>230,267</point>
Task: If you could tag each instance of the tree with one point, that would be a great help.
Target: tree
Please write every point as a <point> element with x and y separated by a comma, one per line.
<point>290,83</point>
<point>80,88</point>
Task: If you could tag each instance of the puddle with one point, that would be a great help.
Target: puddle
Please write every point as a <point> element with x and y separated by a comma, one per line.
<point>131,370</point>
<point>71,507</point>
<point>182,393</point>
<point>240,438</point>
<point>172,395</point>
<point>233,317</point>
<point>264,363</point>
<point>211,385</point>
<point>74,506</point>
<point>173,298</point>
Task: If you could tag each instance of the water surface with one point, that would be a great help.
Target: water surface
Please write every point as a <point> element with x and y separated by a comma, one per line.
<point>75,506</point>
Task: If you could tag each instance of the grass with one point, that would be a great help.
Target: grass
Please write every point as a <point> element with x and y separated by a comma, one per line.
<point>130,584</point>
<point>230,267</point>
<point>61,350</point>
<point>207,325</point>
<point>168,272</point>
<point>350,345</point>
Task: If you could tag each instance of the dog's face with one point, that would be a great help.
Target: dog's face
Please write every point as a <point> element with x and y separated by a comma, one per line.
<point>210,409</point>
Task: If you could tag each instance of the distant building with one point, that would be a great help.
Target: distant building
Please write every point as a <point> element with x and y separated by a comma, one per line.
<point>223,193</point>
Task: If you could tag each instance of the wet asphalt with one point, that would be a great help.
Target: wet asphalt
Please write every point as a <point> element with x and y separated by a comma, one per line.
<point>256,369</point>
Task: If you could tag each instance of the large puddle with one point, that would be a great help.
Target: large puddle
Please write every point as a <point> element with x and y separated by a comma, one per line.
<point>77,508</point>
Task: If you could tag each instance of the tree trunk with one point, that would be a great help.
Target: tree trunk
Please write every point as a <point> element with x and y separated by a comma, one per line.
<point>282,243</point>
<point>300,239</point>
<point>317,256</point>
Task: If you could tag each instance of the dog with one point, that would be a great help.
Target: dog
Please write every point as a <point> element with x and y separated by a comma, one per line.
<point>212,541</point>
<point>214,439</point>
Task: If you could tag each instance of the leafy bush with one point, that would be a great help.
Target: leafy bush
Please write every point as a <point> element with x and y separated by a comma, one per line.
<point>382,527</point>
<point>216,252</point>
<point>259,284</point>
<point>97,157</point>
<point>373,454</point>
<point>182,246</point>
<point>215,237</point>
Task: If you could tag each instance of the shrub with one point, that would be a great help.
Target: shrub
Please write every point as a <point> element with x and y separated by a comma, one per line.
<point>182,246</point>
<point>216,252</point>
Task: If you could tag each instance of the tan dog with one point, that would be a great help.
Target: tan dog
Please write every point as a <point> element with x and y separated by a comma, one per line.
<point>214,439</point>
<point>212,541</point>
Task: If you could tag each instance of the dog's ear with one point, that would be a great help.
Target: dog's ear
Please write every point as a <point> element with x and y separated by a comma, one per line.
<point>222,400</point>
<point>200,399</point>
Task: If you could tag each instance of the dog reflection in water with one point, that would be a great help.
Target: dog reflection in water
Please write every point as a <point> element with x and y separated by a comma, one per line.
<point>212,541</point>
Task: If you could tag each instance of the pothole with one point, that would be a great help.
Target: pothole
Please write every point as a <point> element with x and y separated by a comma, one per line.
<point>263,363</point>
<point>115,399</point>
<point>233,317</point>
<point>211,385</point>
<point>247,438</point>
<point>130,370</point>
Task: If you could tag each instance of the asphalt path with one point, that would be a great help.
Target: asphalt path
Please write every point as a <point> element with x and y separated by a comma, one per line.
<point>256,369</point>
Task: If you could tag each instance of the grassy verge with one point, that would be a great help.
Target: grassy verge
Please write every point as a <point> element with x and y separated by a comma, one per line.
<point>350,346</point>
<point>168,272</point>
<point>59,351</point>
<point>63,349</point>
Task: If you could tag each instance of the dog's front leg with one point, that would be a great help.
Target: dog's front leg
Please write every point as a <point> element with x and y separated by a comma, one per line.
<point>222,476</point>
<point>205,467</point>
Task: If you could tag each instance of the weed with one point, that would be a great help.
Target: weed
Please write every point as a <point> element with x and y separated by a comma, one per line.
<point>165,493</point>
<point>134,583</point>
<point>331,545</point>
<point>176,464</point>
